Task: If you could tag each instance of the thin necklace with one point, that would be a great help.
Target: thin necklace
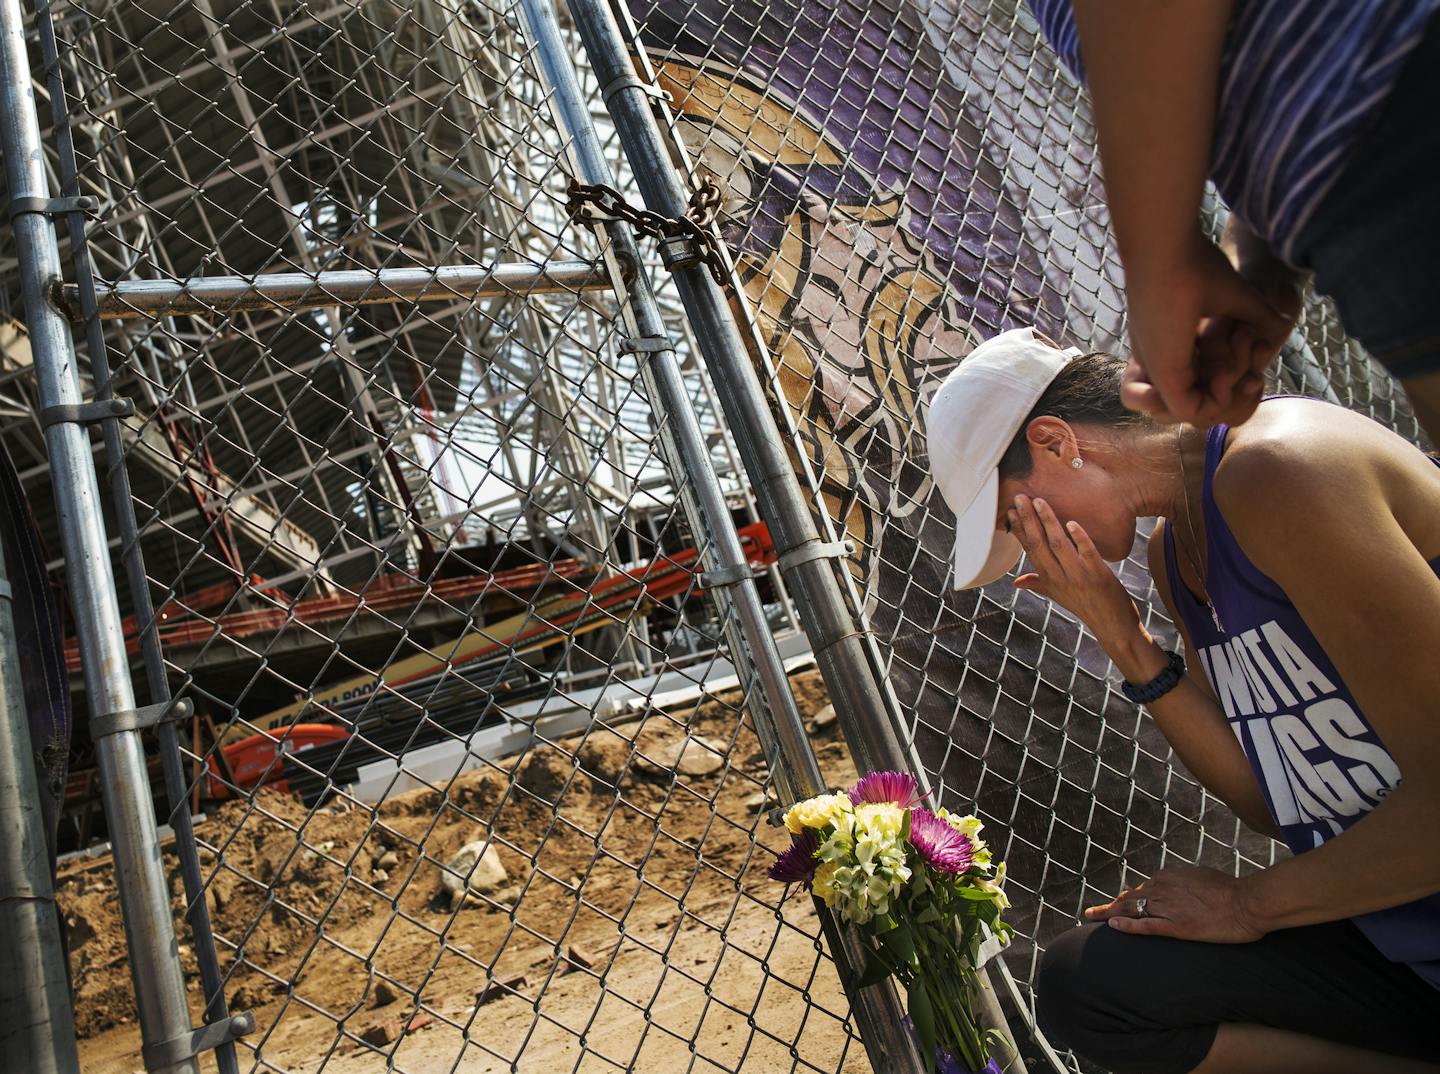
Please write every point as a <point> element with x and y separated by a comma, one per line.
<point>1193,548</point>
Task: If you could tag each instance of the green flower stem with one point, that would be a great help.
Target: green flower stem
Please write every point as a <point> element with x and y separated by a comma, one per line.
<point>971,1043</point>
<point>951,997</point>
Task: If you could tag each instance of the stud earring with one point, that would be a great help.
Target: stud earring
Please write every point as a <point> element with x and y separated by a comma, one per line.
<point>1076,463</point>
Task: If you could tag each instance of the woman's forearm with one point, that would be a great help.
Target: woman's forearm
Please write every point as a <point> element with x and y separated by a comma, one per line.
<point>1153,70</point>
<point>1196,728</point>
<point>1385,859</point>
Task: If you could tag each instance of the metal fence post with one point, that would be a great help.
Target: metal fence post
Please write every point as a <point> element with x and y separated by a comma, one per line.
<point>38,1033</point>
<point>792,760</point>
<point>144,894</point>
<point>806,562</point>
<point>804,556</point>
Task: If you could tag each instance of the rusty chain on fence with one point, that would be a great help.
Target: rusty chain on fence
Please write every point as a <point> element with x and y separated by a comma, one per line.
<point>684,240</point>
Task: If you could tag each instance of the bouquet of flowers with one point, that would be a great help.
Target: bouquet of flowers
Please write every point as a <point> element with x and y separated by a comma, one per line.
<point>921,888</point>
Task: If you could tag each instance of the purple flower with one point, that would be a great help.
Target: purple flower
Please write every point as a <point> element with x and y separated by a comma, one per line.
<point>898,788</point>
<point>797,865</point>
<point>944,849</point>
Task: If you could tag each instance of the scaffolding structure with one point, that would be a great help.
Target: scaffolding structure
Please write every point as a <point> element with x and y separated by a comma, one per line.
<point>398,444</point>
<point>452,514</point>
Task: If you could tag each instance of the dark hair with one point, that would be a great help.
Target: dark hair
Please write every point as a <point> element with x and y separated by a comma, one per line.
<point>1087,392</point>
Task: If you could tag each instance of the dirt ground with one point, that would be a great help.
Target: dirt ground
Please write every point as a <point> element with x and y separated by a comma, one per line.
<point>636,928</point>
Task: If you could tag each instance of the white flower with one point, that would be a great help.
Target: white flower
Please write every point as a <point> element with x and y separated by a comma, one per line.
<point>819,812</point>
<point>868,854</point>
<point>996,887</point>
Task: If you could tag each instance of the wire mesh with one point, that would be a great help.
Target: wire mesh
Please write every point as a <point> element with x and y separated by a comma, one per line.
<point>481,786</point>
<point>903,180</point>
<point>444,526</point>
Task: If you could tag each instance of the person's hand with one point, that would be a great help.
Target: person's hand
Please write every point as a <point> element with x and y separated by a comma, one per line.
<point>1201,338</point>
<point>1278,283</point>
<point>1189,904</point>
<point>1069,571</point>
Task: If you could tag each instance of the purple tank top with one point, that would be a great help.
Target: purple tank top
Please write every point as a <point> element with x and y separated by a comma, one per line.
<point>1319,762</point>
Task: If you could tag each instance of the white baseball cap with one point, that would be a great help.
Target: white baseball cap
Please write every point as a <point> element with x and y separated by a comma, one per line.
<point>972,419</point>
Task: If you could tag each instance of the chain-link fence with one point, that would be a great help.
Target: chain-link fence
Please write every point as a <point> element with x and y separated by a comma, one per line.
<point>904,180</point>
<point>476,751</point>
<point>483,757</point>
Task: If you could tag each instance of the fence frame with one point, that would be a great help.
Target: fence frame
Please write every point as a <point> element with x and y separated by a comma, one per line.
<point>150,933</point>
<point>144,895</point>
<point>39,1030</point>
<point>802,555</point>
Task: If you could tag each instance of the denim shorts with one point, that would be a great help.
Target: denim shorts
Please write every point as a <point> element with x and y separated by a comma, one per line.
<point>1374,241</point>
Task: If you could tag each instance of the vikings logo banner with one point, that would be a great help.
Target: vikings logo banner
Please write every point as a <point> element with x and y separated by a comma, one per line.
<point>903,179</point>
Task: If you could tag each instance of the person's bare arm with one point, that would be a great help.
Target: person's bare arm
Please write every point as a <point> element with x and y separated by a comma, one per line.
<point>1278,283</point>
<point>1373,602</point>
<point>1153,70</point>
<point>1069,570</point>
<point>1194,724</point>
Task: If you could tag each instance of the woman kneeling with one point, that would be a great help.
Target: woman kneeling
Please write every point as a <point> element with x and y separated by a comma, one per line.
<point>1298,554</point>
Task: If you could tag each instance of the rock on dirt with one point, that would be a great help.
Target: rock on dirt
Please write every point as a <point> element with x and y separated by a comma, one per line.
<point>759,801</point>
<point>548,773</point>
<point>378,1035</point>
<point>693,756</point>
<point>505,986</point>
<point>824,719</point>
<point>385,994</point>
<point>476,866</point>
<point>578,958</point>
<point>603,756</point>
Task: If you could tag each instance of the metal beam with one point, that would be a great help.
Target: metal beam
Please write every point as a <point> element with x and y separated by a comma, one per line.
<point>259,522</point>
<point>149,299</point>
<point>143,889</point>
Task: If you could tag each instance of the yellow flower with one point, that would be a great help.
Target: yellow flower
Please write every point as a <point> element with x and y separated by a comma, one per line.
<point>822,811</point>
<point>880,820</point>
<point>824,883</point>
<point>967,826</point>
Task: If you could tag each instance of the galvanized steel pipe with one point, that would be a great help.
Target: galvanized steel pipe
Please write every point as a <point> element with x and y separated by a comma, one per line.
<point>221,295</point>
<point>125,785</point>
<point>38,1031</point>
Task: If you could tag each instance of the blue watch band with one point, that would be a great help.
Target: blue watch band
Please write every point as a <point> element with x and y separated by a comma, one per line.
<point>1160,685</point>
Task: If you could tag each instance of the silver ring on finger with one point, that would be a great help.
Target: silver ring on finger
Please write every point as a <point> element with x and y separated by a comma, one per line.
<point>1141,908</point>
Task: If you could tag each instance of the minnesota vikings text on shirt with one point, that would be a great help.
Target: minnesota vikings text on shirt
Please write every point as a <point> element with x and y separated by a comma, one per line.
<point>1322,765</point>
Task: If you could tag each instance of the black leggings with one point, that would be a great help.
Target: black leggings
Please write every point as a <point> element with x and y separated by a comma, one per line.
<point>1152,1005</point>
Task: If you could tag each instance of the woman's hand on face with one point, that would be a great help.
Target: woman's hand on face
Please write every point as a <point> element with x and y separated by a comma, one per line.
<point>1187,904</point>
<point>1069,571</point>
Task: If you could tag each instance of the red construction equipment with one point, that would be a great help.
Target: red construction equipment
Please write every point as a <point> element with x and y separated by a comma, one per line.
<point>251,748</point>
